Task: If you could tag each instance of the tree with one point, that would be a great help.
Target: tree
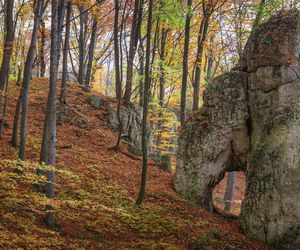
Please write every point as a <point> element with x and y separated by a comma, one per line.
<point>42,49</point>
<point>202,34</point>
<point>7,51</point>
<point>62,97</point>
<point>116,51</point>
<point>229,191</point>
<point>141,194</point>
<point>135,27</point>
<point>117,72</point>
<point>48,151</point>
<point>185,66</point>
<point>23,97</point>
<point>91,53</point>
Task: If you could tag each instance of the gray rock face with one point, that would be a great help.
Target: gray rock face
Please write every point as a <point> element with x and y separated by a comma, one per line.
<point>163,161</point>
<point>213,141</point>
<point>131,119</point>
<point>271,208</point>
<point>95,101</point>
<point>250,121</point>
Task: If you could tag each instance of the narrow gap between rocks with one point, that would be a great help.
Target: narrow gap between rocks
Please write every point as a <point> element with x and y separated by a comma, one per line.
<point>229,193</point>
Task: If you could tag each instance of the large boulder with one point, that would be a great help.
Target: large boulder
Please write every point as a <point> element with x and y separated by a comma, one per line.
<point>250,121</point>
<point>131,120</point>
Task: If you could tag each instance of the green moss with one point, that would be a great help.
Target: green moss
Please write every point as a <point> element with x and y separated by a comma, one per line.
<point>208,239</point>
<point>201,223</point>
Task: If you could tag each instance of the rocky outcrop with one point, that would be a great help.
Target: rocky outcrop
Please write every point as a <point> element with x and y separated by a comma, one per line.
<point>96,101</point>
<point>214,141</point>
<point>250,121</point>
<point>271,208</point>
<point>131,119</point>
<point>68,114</point>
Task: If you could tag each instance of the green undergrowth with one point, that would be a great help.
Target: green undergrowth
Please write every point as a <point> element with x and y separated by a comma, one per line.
<point>88,207</point>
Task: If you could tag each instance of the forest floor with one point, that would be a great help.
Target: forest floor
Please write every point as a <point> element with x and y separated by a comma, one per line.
<point>96,190</point>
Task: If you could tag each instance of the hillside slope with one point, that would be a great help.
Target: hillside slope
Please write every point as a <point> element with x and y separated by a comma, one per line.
<point>96,190</point>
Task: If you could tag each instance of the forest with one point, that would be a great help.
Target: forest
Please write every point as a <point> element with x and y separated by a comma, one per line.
<point>150,124</point>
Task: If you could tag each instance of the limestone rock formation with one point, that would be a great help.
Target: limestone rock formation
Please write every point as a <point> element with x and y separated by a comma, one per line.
<point>131,119</point>
<point>250,121</point>
<point>214,141</point>
<point>95,101</point>
<point>271,208</point>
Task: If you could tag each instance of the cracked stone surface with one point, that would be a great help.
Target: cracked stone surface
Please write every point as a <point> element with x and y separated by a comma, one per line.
<point>250,121</point>
<point>131,119</point>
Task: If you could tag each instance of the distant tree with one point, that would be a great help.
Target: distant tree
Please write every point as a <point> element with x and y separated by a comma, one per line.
<point>229,191</point>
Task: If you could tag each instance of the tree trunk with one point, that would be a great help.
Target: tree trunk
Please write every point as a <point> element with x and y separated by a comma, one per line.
<point>132,50</point>
<point>49,134</point>
<point>83,21</point>
<point>14,140</point>
<point>91,54</point>
<point>117,72</point>
<point>201,41</point>
<point>185,61</point>
<point>42,49</point>
<point>27,79</point>
<point>141,194</point>
<point>229,191</point>
<point>8,44</point>
<point>63,91</point>
<point>164,34</point>
<point>141,73</point>
<point>2,120</point>
<point>116,50</point>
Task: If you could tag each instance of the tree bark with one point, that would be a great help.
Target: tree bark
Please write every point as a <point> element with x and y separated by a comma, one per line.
<point>49,134</point>
<point>27,79</point>
<point>42,49</point>
<point>141,194</point>
<point>132,51</point>
<point>229,191</point>
<point>2,120</point>
<point>91,53</point>
<point>201,41</point>
<point>8,44</point>
<point>82,38</point>
<point>141,73</point>
<point>14,140</point>
<point>185,61</point>
<point>164,34</point>
<point>7,49</point>
<point>63,91</point>
<point>117,72</point>
<point>116,50</point>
